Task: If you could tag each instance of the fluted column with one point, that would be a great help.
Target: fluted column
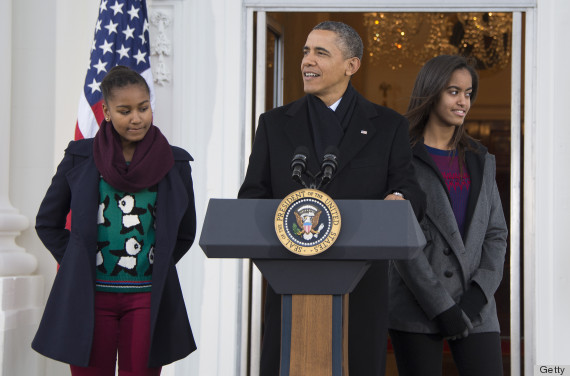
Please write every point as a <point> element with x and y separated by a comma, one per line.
<point>14,261</point>
<point>20,291</point>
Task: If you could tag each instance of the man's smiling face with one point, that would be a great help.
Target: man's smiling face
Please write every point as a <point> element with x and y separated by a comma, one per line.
<point>325,69</point>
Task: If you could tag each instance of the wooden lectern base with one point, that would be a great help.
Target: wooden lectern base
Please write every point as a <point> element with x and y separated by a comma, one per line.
<point>314,335</point>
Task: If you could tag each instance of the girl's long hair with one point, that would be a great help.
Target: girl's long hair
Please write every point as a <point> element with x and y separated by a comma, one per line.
<point>430,83</point>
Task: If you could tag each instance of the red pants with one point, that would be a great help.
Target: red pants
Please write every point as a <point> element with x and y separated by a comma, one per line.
<point>122,325</point>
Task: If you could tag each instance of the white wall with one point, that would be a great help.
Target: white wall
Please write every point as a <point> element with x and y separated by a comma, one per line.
<point>552,200</point>
<point>209,78</point>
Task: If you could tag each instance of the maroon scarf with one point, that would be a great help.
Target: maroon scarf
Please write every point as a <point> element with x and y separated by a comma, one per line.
<point>151,161</point>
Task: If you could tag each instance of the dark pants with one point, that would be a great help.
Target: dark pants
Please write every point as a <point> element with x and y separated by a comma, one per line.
<point>422,354</point>
<point>122,325</point>
<point>367,337</point>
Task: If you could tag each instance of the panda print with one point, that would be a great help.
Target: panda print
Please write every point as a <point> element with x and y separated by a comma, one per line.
<point>127,261</point>
<point>131,214</point>
<point>150,261</point>
<point>101,219</point>
<point>152,211</point>
<point>99,256</point>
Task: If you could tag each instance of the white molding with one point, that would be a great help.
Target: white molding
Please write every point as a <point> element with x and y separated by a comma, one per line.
<point>277,29</point>
<point>530,190</point>
<point>515,196</point>
<point>251,298</point>
<point>161,47</point>
<point>164,40</point>
<point>395,5</point>
<point>261,48</point>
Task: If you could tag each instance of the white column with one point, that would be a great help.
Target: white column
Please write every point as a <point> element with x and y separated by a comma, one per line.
<point>13,259</point>
<point>20,293</point>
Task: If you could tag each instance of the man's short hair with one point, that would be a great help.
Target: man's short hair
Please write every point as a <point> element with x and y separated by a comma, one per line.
<point>350,41</point>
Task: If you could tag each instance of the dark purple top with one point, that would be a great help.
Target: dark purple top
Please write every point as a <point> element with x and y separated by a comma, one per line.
<point>457,183</point>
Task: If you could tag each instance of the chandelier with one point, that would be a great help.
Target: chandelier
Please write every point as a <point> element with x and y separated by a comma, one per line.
<point>397,38</point>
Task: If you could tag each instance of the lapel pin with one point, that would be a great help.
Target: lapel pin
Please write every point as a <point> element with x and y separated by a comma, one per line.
<point>364,132</point>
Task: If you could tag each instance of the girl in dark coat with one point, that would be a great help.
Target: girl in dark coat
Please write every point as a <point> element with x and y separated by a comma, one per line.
<point>446,292</point>
<point>133,218</point>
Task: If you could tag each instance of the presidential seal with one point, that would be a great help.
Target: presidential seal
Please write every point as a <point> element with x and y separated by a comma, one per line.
<point>307,222</point>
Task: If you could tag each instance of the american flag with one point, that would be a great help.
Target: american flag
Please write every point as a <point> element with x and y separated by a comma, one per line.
<point>121,38</point>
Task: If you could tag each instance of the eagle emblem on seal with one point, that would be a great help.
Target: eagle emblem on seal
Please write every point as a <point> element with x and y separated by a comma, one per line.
<point>307,224</point>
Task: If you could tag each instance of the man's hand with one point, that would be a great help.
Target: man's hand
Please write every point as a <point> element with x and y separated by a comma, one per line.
<point>392,196</point>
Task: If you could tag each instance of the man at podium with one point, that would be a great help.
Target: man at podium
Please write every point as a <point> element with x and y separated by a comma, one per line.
<point>369,146</point>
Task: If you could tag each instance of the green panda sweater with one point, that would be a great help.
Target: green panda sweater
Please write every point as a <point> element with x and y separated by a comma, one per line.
<point>125,239</point>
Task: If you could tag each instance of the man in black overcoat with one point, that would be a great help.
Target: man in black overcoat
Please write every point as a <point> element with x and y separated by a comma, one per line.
<point>374,163</point>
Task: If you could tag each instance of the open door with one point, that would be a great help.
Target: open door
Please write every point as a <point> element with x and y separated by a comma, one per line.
<point>274,78</point>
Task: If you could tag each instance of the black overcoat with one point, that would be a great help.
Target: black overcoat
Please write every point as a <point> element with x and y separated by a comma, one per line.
<point>66,329</point>
<point>374,160</point>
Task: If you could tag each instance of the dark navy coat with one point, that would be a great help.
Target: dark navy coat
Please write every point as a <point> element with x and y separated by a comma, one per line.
<point>66,329</point>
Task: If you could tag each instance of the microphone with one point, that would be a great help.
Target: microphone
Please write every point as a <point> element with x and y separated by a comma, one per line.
<point>329,165</point>
<point>299,164</point>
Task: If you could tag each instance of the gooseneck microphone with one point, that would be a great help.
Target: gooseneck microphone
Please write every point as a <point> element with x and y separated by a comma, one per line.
<point>299,164</point>
<point>329,165</point>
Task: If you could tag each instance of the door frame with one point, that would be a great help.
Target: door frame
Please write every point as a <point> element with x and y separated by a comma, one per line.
<point>259,8</point>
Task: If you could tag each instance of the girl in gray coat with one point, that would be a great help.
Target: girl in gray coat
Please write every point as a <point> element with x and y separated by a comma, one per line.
<point>446,292</point>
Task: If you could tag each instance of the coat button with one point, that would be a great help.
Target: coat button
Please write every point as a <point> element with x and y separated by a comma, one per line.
<point>448,274</point>
<point>446,251</point>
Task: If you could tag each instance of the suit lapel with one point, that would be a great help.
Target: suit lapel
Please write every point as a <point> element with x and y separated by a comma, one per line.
<point>297,129</point>
<point>421,153</point>
<point>360,130</point>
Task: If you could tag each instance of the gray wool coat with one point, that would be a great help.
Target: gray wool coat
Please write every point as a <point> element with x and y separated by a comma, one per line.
<point>432,282</point>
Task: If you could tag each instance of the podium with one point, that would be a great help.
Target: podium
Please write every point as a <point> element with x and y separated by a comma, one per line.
<point>314,329</point>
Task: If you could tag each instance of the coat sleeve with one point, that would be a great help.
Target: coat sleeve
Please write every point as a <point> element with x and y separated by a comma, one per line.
<point>187,228</point>
<point>423,282</point>
<point>401,173</point>
<point>257,182</point>
<point>52,214</point>
<point>490,271</point>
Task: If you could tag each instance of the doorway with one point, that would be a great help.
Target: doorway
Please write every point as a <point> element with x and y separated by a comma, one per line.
<point>389,82</point>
